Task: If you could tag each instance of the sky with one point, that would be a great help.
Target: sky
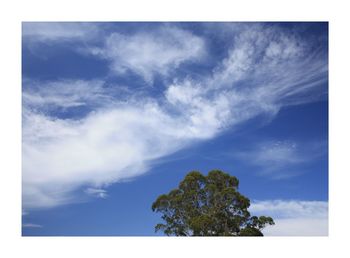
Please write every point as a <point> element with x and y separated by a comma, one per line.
<point>115,114</point>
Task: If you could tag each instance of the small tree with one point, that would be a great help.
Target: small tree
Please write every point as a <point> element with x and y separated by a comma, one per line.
<point>208,206</point>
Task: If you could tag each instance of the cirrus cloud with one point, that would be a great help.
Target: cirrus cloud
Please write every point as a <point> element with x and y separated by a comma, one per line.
<point>59,31</point>
<point>119,138</point>
<point>151,53</point>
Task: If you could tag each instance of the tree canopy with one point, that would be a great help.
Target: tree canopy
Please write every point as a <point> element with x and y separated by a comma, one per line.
<point>208,206</point>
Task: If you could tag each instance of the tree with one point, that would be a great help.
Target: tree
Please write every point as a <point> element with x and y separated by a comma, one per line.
<point>208,206</point>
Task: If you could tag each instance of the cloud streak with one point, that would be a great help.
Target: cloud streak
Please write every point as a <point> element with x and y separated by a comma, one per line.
<point>281,159</point>
<point>31,225</point>
<point>63,94</point>
<point>118,137</point>
<point>50,32</point>
<point>96,192</point>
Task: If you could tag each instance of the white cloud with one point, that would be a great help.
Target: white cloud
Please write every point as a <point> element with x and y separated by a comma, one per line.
<point>274,158</point>
<point>97,192</point>
<point>206,115</point>
<point>281,159</point>
<point>53,31</point>
<point>119,139</point>
<point>293,218</point>
<point>105,147</point>
<point>292,208</point>
<point>64,93</point>
<point>298,227</point>
<point>154,52</point>
<point>278,68</point>
<point>278,152</point>
<point>31,225</point>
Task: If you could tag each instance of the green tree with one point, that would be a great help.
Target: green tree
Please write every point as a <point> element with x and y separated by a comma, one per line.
<point>208,206</point>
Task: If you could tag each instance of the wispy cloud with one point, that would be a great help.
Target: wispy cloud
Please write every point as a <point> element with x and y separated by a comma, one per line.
<point>294,217</point>
<point>119,137</point>
<point>152,52</point>
<point>97,192</point>
<point>31,225</point>
<point>279,66</point>
<point>63,94</point>
<point>59,31</point>
<point>60,155</point>
<point>281,159</point>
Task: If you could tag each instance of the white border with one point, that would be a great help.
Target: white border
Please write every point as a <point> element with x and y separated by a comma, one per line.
<point>13,12</point>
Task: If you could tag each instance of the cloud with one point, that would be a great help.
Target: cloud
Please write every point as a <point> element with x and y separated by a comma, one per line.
<point>298,227</point>
<point>59,31</point>
<point>293,217</point>
<point>292,208</point>
<point>120,136</point>
<point>96,192</point>
<point>60,155</point>
<point>31,225</point>
<point>279,152</point>
<point>150,53</point>
<point>206,115</point>
<point>281,159</point>
<point>280,67</point>
<point>63,94</point>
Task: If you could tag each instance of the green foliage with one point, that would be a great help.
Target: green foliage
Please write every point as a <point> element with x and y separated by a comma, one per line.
<point>208,206</point>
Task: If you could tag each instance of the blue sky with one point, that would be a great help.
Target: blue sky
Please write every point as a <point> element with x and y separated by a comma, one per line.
<point>115,114</point>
